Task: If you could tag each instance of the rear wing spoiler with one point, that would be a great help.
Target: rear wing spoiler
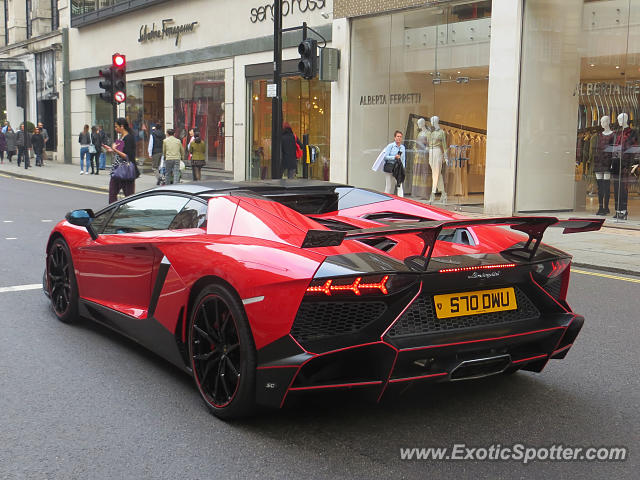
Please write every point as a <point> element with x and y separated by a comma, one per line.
<point>428,231</point>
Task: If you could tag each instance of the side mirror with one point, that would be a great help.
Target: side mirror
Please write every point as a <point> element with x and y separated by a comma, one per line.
<point>82,218</point>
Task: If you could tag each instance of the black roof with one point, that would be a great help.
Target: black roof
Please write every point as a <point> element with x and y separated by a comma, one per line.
<point>262,186</point>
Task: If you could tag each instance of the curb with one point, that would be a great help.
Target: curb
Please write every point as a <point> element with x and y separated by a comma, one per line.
<point>57,182</point>
<point>620,271</point>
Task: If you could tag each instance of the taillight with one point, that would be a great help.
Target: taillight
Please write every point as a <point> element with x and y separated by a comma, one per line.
<point>554,277</point>
<point>361,285</point>
<point>477,267</point>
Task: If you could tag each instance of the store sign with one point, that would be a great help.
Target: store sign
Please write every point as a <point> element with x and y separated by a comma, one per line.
<point>168,31</point>
<point>604,88</point>
<point>289,7</point>
<point>391,99</point>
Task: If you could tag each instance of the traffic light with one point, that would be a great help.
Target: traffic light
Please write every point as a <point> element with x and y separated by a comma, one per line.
<point>21,88</point>
<point>119,69</point>
<point>308,64</point>
<point>106,84</point>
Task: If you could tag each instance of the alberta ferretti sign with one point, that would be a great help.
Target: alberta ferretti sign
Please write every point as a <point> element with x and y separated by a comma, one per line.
<point>167,30</point>
<point>391,99</point>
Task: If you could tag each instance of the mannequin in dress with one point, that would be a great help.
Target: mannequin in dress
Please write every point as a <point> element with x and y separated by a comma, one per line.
<point>621,164</point>
<point>437,157</point>
<point>602,164</point>
<point>420,165</point>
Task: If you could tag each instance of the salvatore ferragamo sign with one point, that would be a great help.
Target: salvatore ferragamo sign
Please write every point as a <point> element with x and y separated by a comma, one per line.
<point>167,30</point>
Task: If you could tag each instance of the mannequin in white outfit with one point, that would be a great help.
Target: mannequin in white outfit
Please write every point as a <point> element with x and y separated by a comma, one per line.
<point>437,158</point>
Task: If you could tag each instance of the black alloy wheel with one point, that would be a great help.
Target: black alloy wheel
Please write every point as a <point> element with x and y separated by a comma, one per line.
<point>222,353</point>
<point>61,282</point>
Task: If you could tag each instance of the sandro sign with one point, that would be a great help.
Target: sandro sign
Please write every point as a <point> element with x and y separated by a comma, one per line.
<point>289,7</point>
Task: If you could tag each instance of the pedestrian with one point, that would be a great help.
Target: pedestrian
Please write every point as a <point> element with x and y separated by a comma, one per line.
<point>104,140</point>
<point>173,152</point>
<point>155,149</point>
<point>3,146</point>
<point>123,150</point>
<point>45,135</point>
<point>10,135</point>
<point>393,153</point>
<point>197,152</point>
<point>291,150</point>
<point>94,150</point>
<point>23,144</point>
<point>84,139</point>
<point>6,126</point>
<point>37,142</point>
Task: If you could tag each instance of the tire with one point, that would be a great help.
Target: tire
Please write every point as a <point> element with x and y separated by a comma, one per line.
<point>61,282</point>
<point>222,354</point>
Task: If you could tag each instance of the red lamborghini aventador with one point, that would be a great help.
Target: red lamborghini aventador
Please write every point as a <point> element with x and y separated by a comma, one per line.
<point>265,290</point>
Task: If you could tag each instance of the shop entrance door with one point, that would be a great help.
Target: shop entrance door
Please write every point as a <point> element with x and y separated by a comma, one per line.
<point>306,106</point>
<point>144,109</point>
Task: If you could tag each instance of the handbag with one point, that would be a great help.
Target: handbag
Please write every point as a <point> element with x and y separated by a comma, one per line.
<point>388,165</point>
<point>298,149</point>
<point>125,171</point>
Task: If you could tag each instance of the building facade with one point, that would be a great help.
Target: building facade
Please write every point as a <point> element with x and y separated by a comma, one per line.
<point>520,90</point>
<point>32,33</point>
<point>202,65</point>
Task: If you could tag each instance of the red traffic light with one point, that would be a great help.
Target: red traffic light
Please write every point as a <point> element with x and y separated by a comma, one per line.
<point>118,60</point>
<point>119,96</point>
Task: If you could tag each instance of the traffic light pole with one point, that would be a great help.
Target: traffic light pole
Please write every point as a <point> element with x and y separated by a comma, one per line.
<point>276,102</point>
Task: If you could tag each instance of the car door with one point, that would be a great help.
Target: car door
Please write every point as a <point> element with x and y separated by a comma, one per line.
<point>116,270</point>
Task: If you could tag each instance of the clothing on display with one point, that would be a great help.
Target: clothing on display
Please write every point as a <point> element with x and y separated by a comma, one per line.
<point>455,153</point>
<point>421,187</point>
<point>466,166</point>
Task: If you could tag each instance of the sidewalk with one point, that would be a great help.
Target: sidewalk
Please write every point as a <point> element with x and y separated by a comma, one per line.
<point>615,248</point>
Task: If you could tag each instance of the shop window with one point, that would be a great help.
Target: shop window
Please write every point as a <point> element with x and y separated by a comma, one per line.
<point>199,105</point>
<point>608,117</point>
<point>306,106</point>
<point>413,66</point>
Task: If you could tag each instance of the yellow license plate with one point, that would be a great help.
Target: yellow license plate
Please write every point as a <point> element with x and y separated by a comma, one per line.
<point>473,303</point>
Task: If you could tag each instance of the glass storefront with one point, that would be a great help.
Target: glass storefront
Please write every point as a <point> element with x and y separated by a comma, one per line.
<point>579,106</point>
<point>198,104</point>
<point>608,96</point>
<point>306,106</point>
<point>424,72</point>
<point>144,108</point>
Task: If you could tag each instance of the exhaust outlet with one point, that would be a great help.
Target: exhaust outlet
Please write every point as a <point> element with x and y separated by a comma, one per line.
<point>480,367</point>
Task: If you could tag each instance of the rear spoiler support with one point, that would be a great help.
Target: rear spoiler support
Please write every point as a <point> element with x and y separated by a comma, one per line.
<point>428,231</point>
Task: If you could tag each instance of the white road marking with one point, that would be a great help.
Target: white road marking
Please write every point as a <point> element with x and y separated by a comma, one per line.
<point>7,221</point>
<point>248,301</point>
<point>19,288</point>
<point>46,220</point>
<point>11,238</point>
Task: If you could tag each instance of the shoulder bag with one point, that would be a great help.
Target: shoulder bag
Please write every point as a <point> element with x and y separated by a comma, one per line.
<point>92,147</point>
<point>125,171</point>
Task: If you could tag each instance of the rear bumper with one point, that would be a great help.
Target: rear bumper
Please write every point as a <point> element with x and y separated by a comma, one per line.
<point>286,368</point>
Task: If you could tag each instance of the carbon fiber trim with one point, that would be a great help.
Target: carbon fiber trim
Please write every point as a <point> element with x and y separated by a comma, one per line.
<point>421,319</point>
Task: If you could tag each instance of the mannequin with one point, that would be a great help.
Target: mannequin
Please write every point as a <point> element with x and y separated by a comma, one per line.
<point>602,164</point>
<point>622,161</point>
<point>437,157</point>
<point>420,165</point>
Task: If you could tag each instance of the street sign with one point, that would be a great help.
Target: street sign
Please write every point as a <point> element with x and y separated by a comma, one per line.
<point>271,90</point>
<point>329,64</point>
